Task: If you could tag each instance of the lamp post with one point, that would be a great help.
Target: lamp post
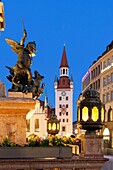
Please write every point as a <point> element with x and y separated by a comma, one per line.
<point>53,124</point>
<point>91,114</point>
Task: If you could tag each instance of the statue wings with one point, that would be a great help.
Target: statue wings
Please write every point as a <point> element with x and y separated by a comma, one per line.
<point>16,47</point>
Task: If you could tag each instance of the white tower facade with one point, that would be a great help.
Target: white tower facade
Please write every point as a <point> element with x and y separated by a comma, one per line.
<point>64,97</point>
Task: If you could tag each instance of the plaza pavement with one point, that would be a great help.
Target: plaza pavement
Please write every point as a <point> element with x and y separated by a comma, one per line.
<point>109,164</point>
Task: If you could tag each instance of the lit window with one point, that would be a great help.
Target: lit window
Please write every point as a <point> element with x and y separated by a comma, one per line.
<point>106,134</point>
<point>28,125</point>
<point>36,125</point>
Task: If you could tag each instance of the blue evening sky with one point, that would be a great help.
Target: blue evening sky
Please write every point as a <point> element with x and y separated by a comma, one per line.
<point>86,28</point>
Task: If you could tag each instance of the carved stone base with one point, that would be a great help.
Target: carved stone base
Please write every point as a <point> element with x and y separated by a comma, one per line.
<point>13,113</point>
<point>20,95</point>
<point>91,146</point>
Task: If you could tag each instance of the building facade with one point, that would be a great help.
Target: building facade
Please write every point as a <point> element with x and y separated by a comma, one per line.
<point>36,119</point>
<point>100,77</point>
<point>64,97</point>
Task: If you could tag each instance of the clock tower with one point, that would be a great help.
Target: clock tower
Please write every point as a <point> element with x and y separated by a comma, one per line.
<point>64,97</point>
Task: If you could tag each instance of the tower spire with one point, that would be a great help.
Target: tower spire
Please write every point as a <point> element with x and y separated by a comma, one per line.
<point>64,62</point>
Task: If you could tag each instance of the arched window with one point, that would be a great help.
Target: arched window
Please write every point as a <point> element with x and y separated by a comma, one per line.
<point>28,125</point>
<point>110,115</point>
<point>106,134</point>
<point>36,125</point>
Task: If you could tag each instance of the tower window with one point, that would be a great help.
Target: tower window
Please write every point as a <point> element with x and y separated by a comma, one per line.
<point>60,113</point>
<point>66,105</point>
<point>66,97</point>
<point>67,120</point>
<point>60,105</point>
<point>63,120</point>
<point>66,113</point>
<point>63,71</point>
<point>63,129</point>
<point>60,98</point>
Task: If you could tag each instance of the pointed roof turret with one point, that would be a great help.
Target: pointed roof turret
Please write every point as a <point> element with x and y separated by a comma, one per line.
<point>64,62</point>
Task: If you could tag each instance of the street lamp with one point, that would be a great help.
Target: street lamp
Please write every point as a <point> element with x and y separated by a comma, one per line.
<point>53,124</point>
<point>91,112</point>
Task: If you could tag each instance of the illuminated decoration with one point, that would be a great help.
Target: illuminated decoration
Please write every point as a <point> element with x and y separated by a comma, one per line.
<point>85,114</point>
<point>53,124</point>
<point>102,114</point>
<point>63,109</point>
<point>91,111</point>
<point>95,114</point>
<point>2,20</point>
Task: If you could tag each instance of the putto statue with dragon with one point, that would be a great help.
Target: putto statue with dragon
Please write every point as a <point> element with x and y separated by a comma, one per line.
<point>20,74</point>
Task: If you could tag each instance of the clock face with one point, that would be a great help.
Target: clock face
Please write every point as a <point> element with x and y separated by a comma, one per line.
<point>63,93</point>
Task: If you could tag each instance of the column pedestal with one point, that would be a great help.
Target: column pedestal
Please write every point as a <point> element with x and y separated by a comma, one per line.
<point>13,113</point>
<point>91,146</point>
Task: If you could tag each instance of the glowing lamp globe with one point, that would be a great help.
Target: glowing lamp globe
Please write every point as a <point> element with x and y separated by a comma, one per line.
<point>91,112</point>
<point>53,124</point>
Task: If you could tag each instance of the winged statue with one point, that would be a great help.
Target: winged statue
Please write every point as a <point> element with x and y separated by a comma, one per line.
<point>20,73</point>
